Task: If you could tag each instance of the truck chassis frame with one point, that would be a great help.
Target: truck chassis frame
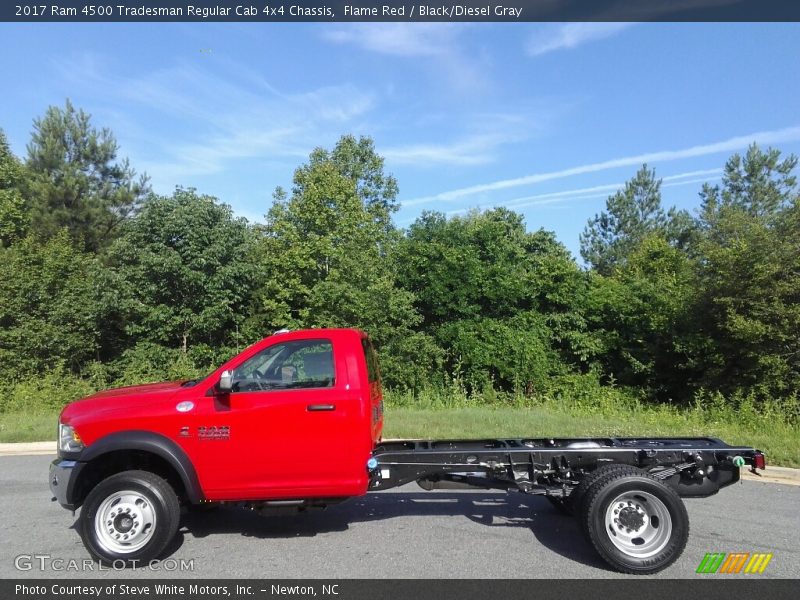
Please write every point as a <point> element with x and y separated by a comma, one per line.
<point>694,467</point>
<point>626,492</point>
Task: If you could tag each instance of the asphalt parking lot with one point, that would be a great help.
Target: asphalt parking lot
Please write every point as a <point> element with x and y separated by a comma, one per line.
<point>403,533</point>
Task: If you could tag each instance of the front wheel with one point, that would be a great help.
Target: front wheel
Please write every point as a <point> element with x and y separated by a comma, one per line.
<point>129,518</point>
<point>636,523</point>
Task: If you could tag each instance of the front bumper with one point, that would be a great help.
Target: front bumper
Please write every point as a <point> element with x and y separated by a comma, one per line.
<point>63,476</point>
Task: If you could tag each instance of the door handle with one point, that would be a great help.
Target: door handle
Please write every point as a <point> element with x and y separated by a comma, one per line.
<point>320,407</point>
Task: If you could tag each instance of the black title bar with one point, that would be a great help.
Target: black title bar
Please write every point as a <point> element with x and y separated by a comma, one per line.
<point>400,10</point>
<point>745,588</point>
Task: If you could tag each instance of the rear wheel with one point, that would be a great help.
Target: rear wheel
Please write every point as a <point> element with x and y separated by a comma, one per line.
<point>636,523</point>
<point>129,518</point>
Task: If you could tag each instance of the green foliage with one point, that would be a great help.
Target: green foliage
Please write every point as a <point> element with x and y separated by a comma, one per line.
<point>48,392</point>
<point>326,257</point>
<point>147,362</point>
<point>478,265</point>
<point>642,315</point>
<point>717,310</point>
<point>55,305</point>
<point>13,214</point>
<point>759,184</point>
<point>104,284</point>
<point>631,215</point>
<point>512,353</point>
<point>750,272</point>
<point>491,293</point>
<point>75,182</point>
<point>186,272</point>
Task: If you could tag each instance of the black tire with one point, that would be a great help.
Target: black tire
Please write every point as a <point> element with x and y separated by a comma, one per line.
<point>149,495</point>
<point>649,531</point>
<point>574,501</point>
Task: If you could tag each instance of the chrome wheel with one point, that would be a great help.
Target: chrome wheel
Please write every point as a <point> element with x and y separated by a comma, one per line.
<point>638,524</point>
<point>125,522</point>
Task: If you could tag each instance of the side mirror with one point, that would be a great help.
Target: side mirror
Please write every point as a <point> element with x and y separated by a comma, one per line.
<point>226,381</point>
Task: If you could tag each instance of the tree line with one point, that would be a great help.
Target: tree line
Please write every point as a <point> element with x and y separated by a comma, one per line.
<point>102,278</point>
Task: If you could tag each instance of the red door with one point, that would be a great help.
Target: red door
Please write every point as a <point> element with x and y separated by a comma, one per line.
<point>290,427</point>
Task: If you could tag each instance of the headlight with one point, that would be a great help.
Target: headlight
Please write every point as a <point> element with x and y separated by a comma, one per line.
<point>68,439</point>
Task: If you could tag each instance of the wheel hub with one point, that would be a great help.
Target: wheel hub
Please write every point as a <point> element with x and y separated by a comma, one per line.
<point>124,522</point>
<point>638,523</point>
<point>631,518</point>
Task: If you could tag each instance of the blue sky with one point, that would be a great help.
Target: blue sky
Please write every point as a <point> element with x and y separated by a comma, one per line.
<point>545,118</point>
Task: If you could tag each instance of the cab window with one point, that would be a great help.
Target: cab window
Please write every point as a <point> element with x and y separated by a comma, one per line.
<point>288,365</point>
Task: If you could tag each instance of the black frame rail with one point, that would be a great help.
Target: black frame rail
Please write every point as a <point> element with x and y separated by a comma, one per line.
<point>553,466</point>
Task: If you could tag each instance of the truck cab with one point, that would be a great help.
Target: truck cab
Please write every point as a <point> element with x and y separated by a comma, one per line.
<point>235,434</point>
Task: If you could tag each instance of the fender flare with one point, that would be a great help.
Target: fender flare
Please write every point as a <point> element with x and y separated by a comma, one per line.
<point>155,443</point>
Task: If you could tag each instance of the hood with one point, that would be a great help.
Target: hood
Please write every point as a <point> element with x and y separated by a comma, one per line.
<point>124,397</point>
<point>147,388</point>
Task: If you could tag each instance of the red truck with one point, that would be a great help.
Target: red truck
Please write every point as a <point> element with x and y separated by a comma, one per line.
<point>295,421</point>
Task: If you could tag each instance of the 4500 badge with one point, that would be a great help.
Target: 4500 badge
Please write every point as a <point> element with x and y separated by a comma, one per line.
<point>207,432</point>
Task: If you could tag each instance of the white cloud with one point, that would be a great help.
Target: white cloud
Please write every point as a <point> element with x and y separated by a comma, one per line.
<point>669,181</point>
<point>477,149</point>
<point>458,153</point>
<point>570,35</point>
<point>788,134</point>
<point>599,191</point>
<point>439,44</point>
<point>225,114</point>
<point>398,39</point>
<point>473,138</point>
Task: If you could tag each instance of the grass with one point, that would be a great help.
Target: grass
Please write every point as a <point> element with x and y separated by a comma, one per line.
<point>781,444</point>
<point>25,427</point>
<point>594,413</point>
<point>580,406</point>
